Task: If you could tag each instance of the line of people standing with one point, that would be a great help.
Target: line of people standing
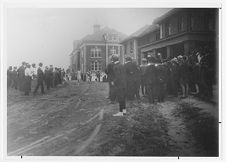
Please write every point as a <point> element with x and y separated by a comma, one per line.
<point>156,78</point>
<point>23,77</point>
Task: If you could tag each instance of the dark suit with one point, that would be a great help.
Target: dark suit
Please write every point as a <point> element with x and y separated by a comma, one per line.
<point>150,75</point>
<point>110,75</point>
<point>119,82</point>
<point>48,78</point>
<point>21,78</point>
<point>143,79</point>
<point>161,78</point>
<point>15,79</point>
<point>40,80</point>
<point>132,80</point>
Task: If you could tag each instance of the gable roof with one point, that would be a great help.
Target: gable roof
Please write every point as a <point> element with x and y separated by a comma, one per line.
<point>166,15</point>
<point>99,35</point>
<point>141,32</point>
<point>136,34</point>
<point>150,29</point>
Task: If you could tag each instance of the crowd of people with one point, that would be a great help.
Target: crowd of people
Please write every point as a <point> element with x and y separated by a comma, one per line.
<point>155,78</point>
<point>45,77</point>
<point>89,76</point>
<point>179,76</point>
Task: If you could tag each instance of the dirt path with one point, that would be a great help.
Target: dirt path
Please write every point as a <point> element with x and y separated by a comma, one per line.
<point>55,123</point>
<point>77,120</point>
<point>181,141</point>
<point>172,128</point>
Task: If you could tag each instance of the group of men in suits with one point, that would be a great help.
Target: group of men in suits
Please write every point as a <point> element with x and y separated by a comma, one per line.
<point>22,77</point>
<point>156,78</point>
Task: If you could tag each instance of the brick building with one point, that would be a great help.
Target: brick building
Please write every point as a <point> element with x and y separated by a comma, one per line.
<point>93,51</point>
<point>130,43</point>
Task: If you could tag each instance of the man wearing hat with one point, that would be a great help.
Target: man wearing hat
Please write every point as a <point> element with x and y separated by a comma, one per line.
<point>40,79</point>
<point>28,75</point>
<point>150,75</point>
<point>33,71</point>
<point>110,76</point>
<point>119,83</point>
<point>132,79</point>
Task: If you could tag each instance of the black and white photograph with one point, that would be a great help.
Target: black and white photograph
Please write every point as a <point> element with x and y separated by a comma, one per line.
<point>129,82</point>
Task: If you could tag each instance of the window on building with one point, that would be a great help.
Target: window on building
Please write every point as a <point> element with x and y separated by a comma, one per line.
<point>96,66</point>
<point>167,29</point>
<point>170,29</point>
<point>181,26</point>
<point>92,52</point>
<point>192,22</point>
<point>95,52</point>
<point>113,50</point>
<point>157,36</point>
<point>211,24</point>
<point>115,37</point>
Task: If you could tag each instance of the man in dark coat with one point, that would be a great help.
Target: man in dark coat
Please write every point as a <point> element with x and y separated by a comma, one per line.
<point>183,72</point>
<point>119,82</point>
<point>143,68</point>
<point>28,76</point>
<point>21,76</point>
<point>110,75</point>
<point>51,75</point>
<point>132,79</point>
<point>150,75</point>
<point>48,78</point>
<point>40,79</point>
<point>14,77</point>
<point>161,78</point>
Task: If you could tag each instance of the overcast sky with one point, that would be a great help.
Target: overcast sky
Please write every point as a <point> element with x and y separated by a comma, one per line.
<point>46,35</point>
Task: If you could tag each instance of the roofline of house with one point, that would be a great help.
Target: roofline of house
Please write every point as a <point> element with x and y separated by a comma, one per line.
<point>166,15</point>
<point>152,30</point>
<point>142,34</point>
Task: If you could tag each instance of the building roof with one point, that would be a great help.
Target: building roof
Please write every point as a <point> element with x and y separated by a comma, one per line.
<point>150,29</point>
<point>141,32</point>
<point>166,15</point>
<point>99,35</point>
<point>136,34</point>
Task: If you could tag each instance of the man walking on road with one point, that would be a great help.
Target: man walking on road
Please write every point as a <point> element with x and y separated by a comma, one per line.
<point>40,79</point>
<point>110,75</point>
<point>119,83</point>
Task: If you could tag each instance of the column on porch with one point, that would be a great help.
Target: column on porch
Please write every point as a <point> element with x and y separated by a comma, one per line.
<point>168,52</point>
<point>188,47</point>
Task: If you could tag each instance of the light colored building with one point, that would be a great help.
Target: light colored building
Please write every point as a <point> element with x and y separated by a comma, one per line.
<point>92,52</point>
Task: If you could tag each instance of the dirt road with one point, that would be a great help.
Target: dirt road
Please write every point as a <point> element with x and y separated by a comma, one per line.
<point>61,122</point>
<point>77,120</point>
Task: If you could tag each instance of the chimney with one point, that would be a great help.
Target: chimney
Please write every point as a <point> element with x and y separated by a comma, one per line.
<point>96,27</point>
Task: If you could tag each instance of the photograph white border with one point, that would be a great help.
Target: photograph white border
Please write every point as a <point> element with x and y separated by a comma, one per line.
<point>102,4</point>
